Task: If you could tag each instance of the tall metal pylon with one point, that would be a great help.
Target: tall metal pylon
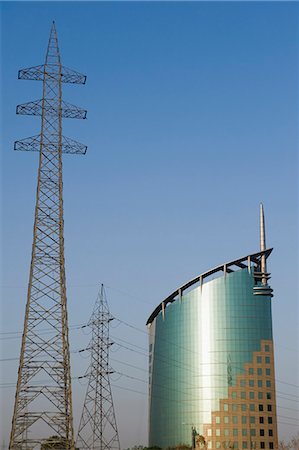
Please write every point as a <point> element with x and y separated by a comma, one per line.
<point>98,428</point>
<point>43,400</point>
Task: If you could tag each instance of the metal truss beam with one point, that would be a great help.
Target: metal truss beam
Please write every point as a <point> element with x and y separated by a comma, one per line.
<point>33,143</point>
<point>38,73</point>
<point>36,108</point>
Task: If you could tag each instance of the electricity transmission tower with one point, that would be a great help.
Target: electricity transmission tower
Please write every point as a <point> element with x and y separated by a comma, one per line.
<point>97,428</point>
<point>43,401</point>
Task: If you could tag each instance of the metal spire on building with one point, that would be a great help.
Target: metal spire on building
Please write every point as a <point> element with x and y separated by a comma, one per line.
<point>43,401</point>
<point>263,244</point>
<point>97,428</point>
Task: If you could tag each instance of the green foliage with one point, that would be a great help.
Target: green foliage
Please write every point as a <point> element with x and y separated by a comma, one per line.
<point>180,447</point>
<point>54,442</point>
<point>156,447</point>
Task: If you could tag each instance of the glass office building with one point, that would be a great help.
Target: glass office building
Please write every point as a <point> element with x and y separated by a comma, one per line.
<point>211,361</point>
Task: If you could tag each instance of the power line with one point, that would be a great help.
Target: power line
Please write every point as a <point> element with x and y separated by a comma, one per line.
<point>79,326</point>
<point>253,389</point>
<point>145,353</point>
<point>145,393</point>
<point>189,350</point>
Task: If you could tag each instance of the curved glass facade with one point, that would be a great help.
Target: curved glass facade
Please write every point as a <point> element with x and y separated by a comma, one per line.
<point>211,366</point>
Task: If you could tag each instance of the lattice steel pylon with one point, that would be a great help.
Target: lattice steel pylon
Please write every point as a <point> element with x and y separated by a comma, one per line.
<point>43,401</point>
<point>98,428</point>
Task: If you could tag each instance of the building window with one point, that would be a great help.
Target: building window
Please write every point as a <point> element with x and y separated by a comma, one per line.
<point>270,432</point>
<point>244,419</point>
<point>261,408</point>
<point>262,432</point>
<point>252,432</point>
<point>261,420</point>
<point>209,432</point>
<point>267,348</point>
<point>251,371</point>
<point>217,419</point>
<point>251,383</point>
<point>235,432</point>
<point>260,395</point>
<point>243,407</point>
<point>225,419</point>
<point>268,396</point>
<point>209,444</point>
<point>267,359</point>
<point>269,407</point>
<point>236,444</point>
<point>235,407</point>
<point>252,407</point>
<point>260,383</point>
<point>252,419</point>
<point>269,419</point>
<point>226,432</point>
<point>244,432</point>
<point>244,444</point>
<point>217,431</point>
<point>251,394</point>
<point>242,383</point>
<point>268,372</point>
<point>259,359</point>
<point>259,371</point>
<point>235,419</point>
<point>268,383</point>
<point>262,444</point>
<point>234,394</point>
<point>225,407</point>
<point>243,394</point>
<point>271,445</point>
<point>218,444</point>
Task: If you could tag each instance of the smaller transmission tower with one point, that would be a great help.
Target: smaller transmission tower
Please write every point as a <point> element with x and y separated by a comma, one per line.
<point>97,428</point>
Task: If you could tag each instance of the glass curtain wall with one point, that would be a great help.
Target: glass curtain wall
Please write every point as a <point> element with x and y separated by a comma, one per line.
<point>199,347</point>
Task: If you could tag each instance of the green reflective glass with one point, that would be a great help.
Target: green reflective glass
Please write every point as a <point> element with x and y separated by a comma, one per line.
<point>199,346</point>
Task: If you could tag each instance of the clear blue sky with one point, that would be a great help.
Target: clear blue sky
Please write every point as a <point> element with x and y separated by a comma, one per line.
<point>192,121</point>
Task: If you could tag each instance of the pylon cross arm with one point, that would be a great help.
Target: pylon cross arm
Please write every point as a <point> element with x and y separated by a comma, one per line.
<point>72,76</point>
<point>37,73</point>
<point>36,108</point>
<point>34,143</point>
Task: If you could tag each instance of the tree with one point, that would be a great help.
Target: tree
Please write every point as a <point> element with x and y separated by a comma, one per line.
<point>293,444</point>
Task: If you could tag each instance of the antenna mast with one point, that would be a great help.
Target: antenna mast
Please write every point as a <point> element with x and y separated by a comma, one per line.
<point>263,245</point>
<point>98,429</point>
<point>43,401</point>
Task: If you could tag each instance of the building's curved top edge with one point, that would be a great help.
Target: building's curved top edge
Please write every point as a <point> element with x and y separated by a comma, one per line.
<point>226,268</point>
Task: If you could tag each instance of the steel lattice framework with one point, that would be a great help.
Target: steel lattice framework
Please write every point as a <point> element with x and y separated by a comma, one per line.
<point>43,401</point>
<point>97,428</point>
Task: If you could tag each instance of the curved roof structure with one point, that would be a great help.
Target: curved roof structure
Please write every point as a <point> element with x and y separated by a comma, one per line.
<point>241,263</point>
